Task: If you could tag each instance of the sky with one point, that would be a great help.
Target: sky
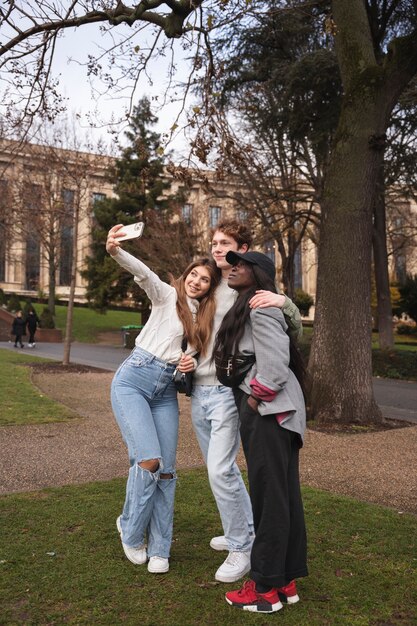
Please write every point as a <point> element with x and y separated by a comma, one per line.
<point>77,44</point>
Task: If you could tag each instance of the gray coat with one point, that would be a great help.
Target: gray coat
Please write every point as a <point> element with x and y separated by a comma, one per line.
<point>265,336</point>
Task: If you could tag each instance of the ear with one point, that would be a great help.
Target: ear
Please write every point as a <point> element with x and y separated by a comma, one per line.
<point>243,248</point>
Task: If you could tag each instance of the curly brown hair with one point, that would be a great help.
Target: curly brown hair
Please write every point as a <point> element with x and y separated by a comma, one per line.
<point>241,233</point>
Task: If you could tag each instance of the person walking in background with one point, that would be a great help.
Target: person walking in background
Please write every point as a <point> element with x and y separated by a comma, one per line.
<point>18,329</point>
<point>270,399</point>
<point>144,399</point>
<point>32,322</point>
<point>215,417</point>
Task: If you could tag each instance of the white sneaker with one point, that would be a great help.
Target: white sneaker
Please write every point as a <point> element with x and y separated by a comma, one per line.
<point>219,543</point>
<point>137,555</point>
<point>235,567</point>
<point>158,565</point>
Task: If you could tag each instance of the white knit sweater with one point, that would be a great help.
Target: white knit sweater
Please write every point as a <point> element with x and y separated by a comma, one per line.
<point>163,332</point>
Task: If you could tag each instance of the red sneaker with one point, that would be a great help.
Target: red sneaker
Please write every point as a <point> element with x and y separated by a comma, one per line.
<point>249,599</point>
<point>288,593</point>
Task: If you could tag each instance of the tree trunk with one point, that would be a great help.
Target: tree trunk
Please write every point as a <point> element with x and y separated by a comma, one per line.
<point>341,361</point>
<point>379,240</point>
<point>51,287</point>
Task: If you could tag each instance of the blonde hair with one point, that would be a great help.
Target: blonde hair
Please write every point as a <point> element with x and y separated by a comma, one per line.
<point>198,331</point>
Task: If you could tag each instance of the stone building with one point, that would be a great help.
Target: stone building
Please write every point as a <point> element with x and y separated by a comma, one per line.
<point>41,188</point>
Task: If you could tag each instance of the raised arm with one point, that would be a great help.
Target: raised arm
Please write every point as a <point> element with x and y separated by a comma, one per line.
<point>263,299</point>
<point>156,290</point>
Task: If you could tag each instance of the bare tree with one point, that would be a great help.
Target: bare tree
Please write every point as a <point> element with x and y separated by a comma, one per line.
<point>51,199</point>
<point>280,185</point>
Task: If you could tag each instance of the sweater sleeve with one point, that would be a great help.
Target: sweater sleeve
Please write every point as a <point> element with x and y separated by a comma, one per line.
<point>271,345</point>
<point>293,318</point>
<point>156,290</point>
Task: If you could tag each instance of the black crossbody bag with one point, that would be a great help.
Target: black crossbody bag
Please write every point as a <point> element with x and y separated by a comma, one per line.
<point>231,372</point>
<point>183,381</point>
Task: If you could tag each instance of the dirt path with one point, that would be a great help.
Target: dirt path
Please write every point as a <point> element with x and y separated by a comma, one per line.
<point>375,467</point>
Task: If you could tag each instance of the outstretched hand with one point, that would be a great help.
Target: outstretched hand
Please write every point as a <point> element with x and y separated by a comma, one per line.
<point>263,298</point>
<point>112,243</point>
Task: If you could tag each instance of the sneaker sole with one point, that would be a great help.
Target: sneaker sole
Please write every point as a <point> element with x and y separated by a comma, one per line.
<point>257,608</point>
<point>288,600</point>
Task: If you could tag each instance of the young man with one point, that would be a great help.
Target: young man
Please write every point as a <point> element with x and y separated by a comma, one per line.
<point>215,417</point>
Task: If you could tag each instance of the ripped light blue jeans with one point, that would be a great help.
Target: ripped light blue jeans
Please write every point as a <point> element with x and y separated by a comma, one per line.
<point>144,401</point>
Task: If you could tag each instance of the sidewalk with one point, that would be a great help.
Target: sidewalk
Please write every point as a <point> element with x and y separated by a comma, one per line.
<point>396,398</point>
<point>376,467</point>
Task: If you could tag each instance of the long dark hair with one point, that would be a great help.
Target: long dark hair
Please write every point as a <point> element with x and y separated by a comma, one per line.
<point>233,325</point>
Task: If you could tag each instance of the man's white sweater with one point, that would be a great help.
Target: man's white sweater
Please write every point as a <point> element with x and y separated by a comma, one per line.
<point>205,374</point>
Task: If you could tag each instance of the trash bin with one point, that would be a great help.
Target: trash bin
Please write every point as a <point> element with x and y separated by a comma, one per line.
<point>129,334</point>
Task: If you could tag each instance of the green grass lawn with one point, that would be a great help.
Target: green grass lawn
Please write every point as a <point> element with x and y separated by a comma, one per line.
<point>399,363</point>
<point>21,402</point>
<point>87,324</point>
<point>62,563</point>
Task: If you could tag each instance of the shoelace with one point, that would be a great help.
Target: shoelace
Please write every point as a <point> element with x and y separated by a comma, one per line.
<point>249,585</point>
<point>233,558</point>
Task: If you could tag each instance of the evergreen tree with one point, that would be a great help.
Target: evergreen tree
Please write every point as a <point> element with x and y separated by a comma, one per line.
<point>143,195</point>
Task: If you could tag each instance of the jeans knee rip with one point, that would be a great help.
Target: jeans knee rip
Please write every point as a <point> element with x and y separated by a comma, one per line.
<point>168,475</point>
<point>147,472</point>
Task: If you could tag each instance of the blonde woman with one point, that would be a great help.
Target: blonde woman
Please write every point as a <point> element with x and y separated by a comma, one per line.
<point>144,399</point>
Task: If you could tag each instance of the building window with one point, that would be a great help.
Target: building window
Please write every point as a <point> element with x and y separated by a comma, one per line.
<point>400,267</point>
<point>214,215</point>
<point>67,237</point>
<point>242,215</point>
<point>33,209</point>
<point>298,269</point>
<point>98,197</point>
<point>187,213</point>
<point>33,261</point>
<point>3,231</point>
<point>2,251</point>
<point>269,250</point>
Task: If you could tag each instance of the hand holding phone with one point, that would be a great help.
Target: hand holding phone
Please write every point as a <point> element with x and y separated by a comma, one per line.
<point>131,231</point>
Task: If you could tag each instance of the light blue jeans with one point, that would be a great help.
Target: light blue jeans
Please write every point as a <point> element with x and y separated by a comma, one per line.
<point>144,401</point>
<point>216,424</point>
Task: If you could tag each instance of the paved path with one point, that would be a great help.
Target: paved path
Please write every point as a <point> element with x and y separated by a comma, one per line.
<point>396,398</point>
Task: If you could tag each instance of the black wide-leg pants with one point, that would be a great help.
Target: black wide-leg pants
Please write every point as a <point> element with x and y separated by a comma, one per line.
<point>279,552</point>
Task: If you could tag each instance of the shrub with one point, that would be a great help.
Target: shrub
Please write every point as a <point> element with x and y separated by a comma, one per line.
<point>27,307</point>
<point>396,304</point>
<point>13,303</point>
<point>408,293</point>
<point>41,296</point>
<point>46,319</point>
<point>406,329</point>
<point>395,364</point>
<point>303,300</point>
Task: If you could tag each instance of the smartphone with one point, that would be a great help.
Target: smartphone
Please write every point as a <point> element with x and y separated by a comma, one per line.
<point>131,231</point>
